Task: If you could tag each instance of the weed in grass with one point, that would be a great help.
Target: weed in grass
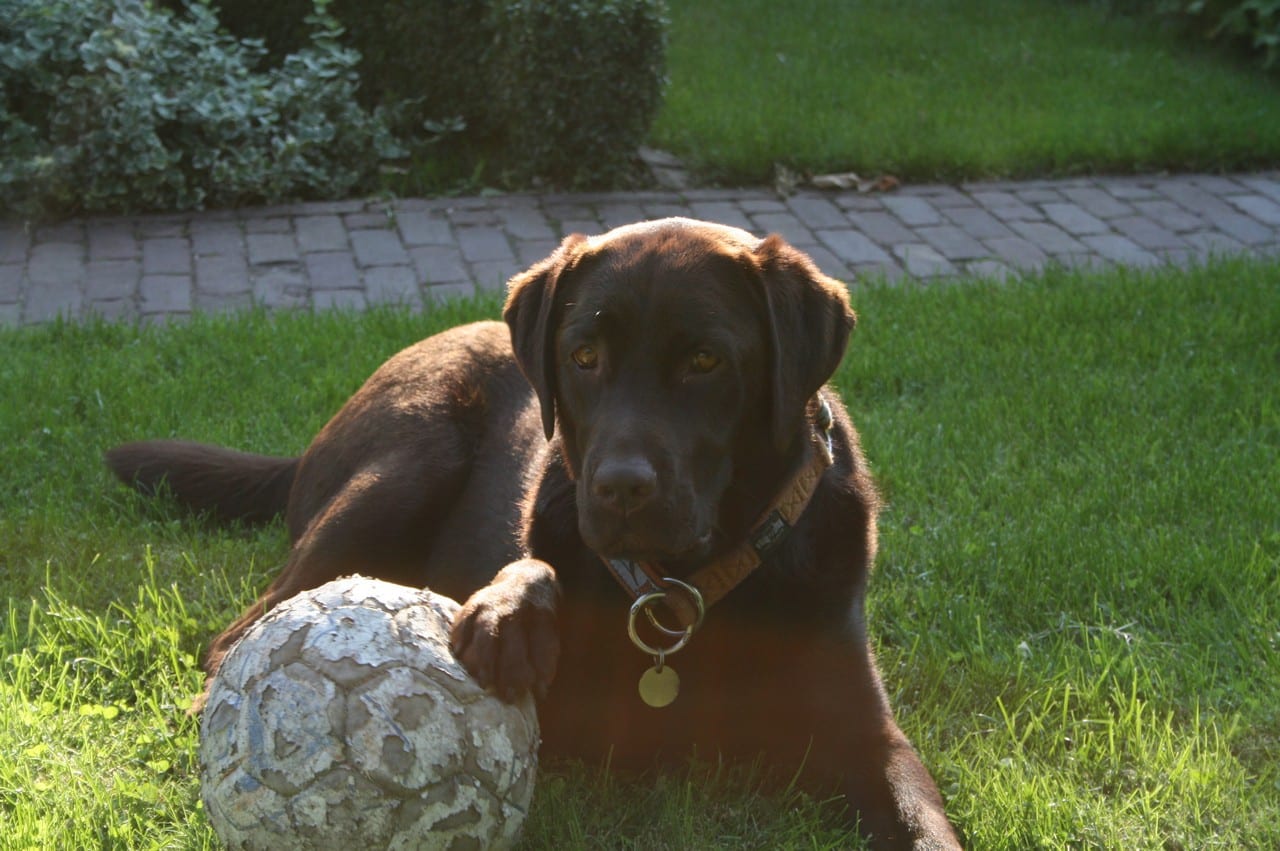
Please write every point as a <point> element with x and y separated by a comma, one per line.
<point>1075,605</point>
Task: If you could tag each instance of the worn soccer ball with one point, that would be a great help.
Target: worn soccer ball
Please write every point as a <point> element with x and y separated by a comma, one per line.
<point>342,720</point>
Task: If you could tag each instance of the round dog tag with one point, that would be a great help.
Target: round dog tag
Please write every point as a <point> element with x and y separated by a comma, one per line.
<point>659,686</point>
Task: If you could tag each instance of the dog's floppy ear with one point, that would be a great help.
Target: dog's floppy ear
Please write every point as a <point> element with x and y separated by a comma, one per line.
<point>530,314</point>
<point>809,320</point>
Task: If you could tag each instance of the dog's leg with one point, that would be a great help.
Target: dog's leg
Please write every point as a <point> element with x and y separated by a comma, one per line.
<point>858,749</point>
<point>506,634</point>
<point>366,527</point>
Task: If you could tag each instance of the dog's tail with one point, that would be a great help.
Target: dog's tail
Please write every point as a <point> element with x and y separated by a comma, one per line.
<point>226,484</point>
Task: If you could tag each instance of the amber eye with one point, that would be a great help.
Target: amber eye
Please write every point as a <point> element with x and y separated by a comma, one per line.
<point>703,361</point>
<point>585,357</point>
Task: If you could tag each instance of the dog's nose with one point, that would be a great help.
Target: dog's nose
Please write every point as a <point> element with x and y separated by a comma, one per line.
<point>624,485</point>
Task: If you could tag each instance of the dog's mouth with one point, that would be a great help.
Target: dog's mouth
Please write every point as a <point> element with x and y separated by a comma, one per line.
<point>677,553</point>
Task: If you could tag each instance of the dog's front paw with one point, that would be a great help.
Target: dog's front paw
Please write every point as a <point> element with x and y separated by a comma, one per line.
<point>506,633</point>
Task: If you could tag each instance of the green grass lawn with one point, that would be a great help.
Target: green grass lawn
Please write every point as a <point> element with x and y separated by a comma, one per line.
<point>1077,605</point>
<point>929,90</point>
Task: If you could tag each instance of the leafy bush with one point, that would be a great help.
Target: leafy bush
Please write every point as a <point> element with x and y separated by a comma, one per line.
<point>1254,23</point>
<point>575,85</point>
<point>430,52</point>
<point>561,89</point>
<point>115,105</point>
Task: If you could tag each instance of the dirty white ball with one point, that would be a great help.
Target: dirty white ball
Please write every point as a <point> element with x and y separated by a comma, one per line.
<point>341,720</point>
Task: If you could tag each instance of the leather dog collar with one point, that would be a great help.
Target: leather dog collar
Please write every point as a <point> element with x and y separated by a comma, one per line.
<point>720,576</point>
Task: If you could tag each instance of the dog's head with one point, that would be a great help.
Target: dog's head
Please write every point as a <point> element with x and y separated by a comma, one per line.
<point>673,355</point>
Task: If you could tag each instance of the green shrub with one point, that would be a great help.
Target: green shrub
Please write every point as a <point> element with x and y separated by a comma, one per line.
<point>575,84</point>
<point>562,89</point>
<point>1253,23</point>
<point>115,105</point>
<point>429,52</point>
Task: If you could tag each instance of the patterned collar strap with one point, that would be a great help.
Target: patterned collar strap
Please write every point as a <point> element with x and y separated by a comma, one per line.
<point>716,579</point>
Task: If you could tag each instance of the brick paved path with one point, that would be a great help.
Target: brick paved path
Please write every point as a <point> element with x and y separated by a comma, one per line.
<point>355,254</point>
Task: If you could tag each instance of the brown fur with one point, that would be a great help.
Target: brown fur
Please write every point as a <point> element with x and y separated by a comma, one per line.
<point>650,394</point>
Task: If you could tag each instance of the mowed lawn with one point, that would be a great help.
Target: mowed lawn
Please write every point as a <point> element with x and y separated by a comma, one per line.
<point>1076,608</point>
<point>954,89</point>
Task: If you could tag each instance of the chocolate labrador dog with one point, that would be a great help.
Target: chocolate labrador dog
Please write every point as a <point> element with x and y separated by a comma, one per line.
<point>658,516</point>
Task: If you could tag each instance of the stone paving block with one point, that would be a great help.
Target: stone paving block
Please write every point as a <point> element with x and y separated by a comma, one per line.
<point>439,264</point>
<point>1213,244</point>
<point>223,302</point>
<point>852,247</point>
<point>817,212</point>
<point>1006,206</point>
<point>881,227</point>
<point>331,270</point>
<point>1019,253</point>
<point>71,231</point>
<point>270,249</point>
<point>166,255</point>
<point>952,242</point>
<point>1259,207</point>
<point>860,202</point>
<point>1169,215</point>
<point>522,223</point>
<point>1050,238</point>
<point>923,261</point>
<point>976,222</point>
<point>112,310</point>
<point>752,206</point>
<point>217,237</point>
<point>423,228</point>
<point>164,294</point>
<point>1097,201</point>
<point>1043,195</point>
<point>14,243</point>
<point>1267,186</point>
<point>442,293</point>
<point>106,280</point>
<point>786,224</point>
<point>722,212</point>
<point>1188,195</point>
<point>1217,184</point>
<point>990,269</point>
<point>50,299</point>
<point>366,221</point>
<point>475,217</point>
<point>379,247</point>
<point>613,216</point>
<point>11,277</point>
<point>10,314</point>
<point>889,272</point>
<point>828,263</point>
<point>913,211</point>
<point>1119,249</point>
<point>56,263</point>
<point>532,251</point>
<point>1240,227</point>
<point>1147,233</point>
<point>587,227</point>
<point>268,224</point>
<point>339,299</point>
<point>320,233</point>
<point>113,241</point>
<point>392,285</point>
<point>492,275</point>
<point>1074,219</point>
<point>280,288</point>
<point>665,210</point>
<point>1129,188</point>
<point>480,244</point>
<point>222,274</point>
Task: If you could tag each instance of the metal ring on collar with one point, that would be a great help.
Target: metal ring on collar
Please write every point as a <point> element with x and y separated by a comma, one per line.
<point>647,601</point>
